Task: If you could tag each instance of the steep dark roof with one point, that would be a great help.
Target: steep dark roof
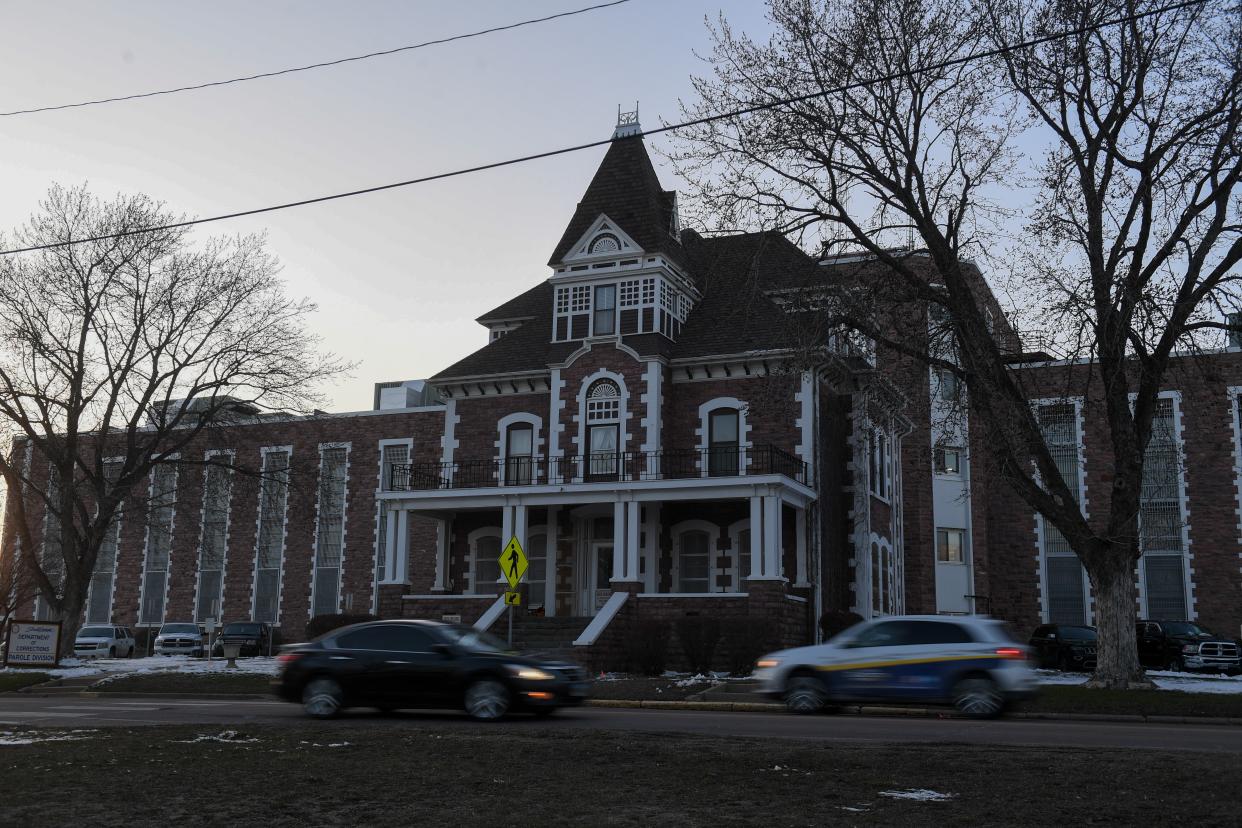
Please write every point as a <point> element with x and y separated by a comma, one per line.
<point>533,302</point>
<point>627,189</point>
<point>525,348</point>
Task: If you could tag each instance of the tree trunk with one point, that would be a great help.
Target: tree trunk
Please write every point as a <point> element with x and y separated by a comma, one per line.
<point>70,621</point>
<point>1116,662</point>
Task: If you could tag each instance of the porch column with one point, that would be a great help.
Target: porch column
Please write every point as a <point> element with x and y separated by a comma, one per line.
<point>390,547</point>
<point>549,569</point>
<point>756,538</point>
<point>632,539</point>
<point>618,540</point>
<point>442,550</point>
<point>506,532</point>
<point>400,563</point>
<point>519,526</point>
<point>800,545</point>
<point>652,550</point>
<point>772,536</point>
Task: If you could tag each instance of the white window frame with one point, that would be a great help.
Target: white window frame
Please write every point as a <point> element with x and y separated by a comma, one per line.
<point>965,544</point>
<point>734,532</point>
<point>115,528</point>
<point>340,575</point>
<point>502,443</point>
<point>202,532</point>
<point>284,533</point>
<point>472,546</point>
<point>1041,549</point>
<point>713,551</point>
<point>1188,586</point>
<point>146,543</point>
<point>703,432</point>
<point>381,562</point>
<point>623,412</point>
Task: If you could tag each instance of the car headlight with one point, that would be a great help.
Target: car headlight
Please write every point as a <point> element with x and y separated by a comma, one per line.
<point>1190,648</point>
<point>765,663</point>
<point>530,673</point>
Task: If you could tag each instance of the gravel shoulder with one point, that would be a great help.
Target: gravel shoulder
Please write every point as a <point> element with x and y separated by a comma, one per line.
<point>390,773</point>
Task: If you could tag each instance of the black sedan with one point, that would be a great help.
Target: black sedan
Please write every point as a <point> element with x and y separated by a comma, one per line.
<point>1064,646</point>
<point>403,664</point>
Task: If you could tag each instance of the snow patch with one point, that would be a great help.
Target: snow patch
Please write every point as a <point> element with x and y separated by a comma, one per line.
<point>231,737</point>
<point>30,737</point>
<point>919,795</point>
<point>113,668</point>
<point>1163,679</point>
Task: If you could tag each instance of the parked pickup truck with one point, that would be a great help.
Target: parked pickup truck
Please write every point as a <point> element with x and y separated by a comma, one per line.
<point>1185,645</point>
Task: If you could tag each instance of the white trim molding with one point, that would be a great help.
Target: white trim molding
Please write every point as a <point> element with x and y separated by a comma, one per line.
<point>702,433</point>
<point>712,531</point>
<point>502,444</point>
<point>623,416</point>
<point>284,531</point>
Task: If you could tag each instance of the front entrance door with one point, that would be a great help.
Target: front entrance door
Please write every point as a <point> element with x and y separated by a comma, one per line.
<point>594,587</point>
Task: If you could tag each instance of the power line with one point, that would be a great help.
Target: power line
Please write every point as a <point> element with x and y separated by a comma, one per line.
<point>1026,44</point>
<point>322,65</point>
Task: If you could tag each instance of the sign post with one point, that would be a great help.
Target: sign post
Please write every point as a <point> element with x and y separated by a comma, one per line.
<point>513,565</point>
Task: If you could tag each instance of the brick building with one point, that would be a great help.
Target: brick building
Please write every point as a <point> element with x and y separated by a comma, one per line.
<point>645,422</point>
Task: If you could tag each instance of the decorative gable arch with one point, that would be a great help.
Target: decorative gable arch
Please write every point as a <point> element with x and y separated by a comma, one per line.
<point>604,239</point>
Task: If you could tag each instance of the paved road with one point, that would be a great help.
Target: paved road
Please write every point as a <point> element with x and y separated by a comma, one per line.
<point>77,712</point>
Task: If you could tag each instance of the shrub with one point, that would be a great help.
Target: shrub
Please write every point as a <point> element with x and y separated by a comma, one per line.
<point>836,621</point>
<point>744,640</point>
<point>699,635</point>
<point>646,646</point>
<point>321,624</point>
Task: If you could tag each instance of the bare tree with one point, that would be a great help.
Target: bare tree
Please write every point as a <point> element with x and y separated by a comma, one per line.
<point>1133,218</point>
<point>117,354</point>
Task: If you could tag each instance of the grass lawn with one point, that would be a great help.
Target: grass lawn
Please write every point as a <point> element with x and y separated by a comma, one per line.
<point>18,680</point>
<point>224,683</point>
<point>397,773</point>
<point>1071,699</point>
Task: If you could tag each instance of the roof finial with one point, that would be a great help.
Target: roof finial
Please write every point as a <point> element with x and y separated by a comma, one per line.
<point>627,123</point>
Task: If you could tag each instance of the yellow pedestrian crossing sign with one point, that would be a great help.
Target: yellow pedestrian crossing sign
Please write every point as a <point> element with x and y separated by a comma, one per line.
<point>513,563</point>
<point>513,599</point>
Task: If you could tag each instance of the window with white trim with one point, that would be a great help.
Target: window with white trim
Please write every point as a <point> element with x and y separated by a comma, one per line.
<point>519,453</point>
<point>1064,576</point>
<point>51,557</point>
<point>694,561</point>
<point>330,530</point>
<point>484,560</point>
<point>99,599</point>
<point>603,419</point>
<point>604,314</point>
<point>948,460</point>
<point>951,545</point>
<point>723,442</point>
<point>273,500</point>
<point>1160,518</point>
<point>213,543</point>
<point>159,544</point>
<point>880,464</point>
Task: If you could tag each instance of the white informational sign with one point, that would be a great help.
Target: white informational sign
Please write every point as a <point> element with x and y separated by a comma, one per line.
<point>33,644</point>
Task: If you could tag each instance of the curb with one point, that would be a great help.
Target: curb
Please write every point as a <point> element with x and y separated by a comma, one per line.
<point>919,712</point>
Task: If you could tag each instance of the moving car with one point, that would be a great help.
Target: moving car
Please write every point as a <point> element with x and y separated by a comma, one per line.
<point>971,662</point>
<point>1064,647</point>
<point>180,638</point>
<point>253,637</point>
<point>400,664</point>
<point>1185,645</point>
<point>96,641</point>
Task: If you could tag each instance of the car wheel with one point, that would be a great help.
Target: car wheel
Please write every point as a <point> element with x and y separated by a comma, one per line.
<point>322,698</point>
<point>487,700</point>
<point>112,652</point>
<point>805,695</point>
<point>978,697</point>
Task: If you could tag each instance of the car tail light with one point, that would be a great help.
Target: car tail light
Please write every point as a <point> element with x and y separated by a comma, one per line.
<point>1011,652</point>
<point>288,658</point>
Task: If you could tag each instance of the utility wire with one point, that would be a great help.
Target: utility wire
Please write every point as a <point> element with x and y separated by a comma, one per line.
<point>322,65</point>
<point>1026,44</point>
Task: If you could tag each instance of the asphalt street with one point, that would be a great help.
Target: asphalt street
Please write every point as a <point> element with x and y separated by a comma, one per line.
<point>72,711</point>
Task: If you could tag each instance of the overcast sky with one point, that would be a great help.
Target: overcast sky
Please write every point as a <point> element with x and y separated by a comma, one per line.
<point>400,276</point>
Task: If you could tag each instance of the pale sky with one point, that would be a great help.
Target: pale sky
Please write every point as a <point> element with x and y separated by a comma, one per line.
<point>400,276</point>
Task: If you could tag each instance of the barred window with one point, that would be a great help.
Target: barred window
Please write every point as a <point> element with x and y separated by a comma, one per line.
<point>1063,572</point>
<point>50,556</point>
<point>581,298</point>
<point>630,293</point>
<point>649,291</point>
<point>603,401</point>
<point>99,599</point>
<point>562,300</point>
<point>330,532</point>
<point>1160,518</point>
<point>218,485</point>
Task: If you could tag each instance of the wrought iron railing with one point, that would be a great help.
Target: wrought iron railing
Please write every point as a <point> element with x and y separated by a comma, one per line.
<point>598,467</point>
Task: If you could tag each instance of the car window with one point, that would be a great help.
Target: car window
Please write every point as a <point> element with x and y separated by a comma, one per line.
<point>179,629</point>
<point>885,634</point>
<point>1079,633</point>
<point>472,639</point>
<point>1184,628</point>
<point>938,632</point>
<point>94,632</point>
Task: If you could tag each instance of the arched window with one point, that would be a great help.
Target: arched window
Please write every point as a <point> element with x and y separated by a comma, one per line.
<point>519,453</point>
<point>603,423</point>
<point>694,550</point>
<point>484,560</point>
<point>722,442</point>
<point>604,243</point>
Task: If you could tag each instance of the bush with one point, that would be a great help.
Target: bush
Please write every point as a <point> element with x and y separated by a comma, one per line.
<point>321,624</point>
<point>699,635</point>
<point>744,640</point>
<point>836,621</point>
<point>646,646</point>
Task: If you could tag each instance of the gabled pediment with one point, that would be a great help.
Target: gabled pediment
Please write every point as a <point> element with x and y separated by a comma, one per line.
<point>603,240</point>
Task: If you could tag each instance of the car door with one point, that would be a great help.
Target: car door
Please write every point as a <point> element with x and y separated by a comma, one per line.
<point>1043,643</point>
<point>416,672</point>
<point>866,667</point>
<point>356,659</point>
<point>1147,635</point>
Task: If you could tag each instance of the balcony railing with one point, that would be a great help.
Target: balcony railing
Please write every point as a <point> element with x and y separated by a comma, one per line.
<point>597,467</point>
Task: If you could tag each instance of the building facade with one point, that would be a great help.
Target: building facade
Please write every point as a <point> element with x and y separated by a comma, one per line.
<point>648,424</point>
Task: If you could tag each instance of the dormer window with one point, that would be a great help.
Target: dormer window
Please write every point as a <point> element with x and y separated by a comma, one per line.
<point>605,313</point>
<point>604,243</point>
<point>643,304</point>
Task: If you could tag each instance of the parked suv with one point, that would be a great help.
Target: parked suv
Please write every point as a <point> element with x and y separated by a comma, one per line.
<point>970,662</point>
<point>251,636</point>
<point>1185,645</point>
<point>180,639</point>
<point>95,641</point>
<point>1064,647</point>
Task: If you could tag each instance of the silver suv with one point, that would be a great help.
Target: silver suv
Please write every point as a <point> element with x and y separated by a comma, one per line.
<point>180,639</point>
<point>96,641</point>
<point>970,662</point>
